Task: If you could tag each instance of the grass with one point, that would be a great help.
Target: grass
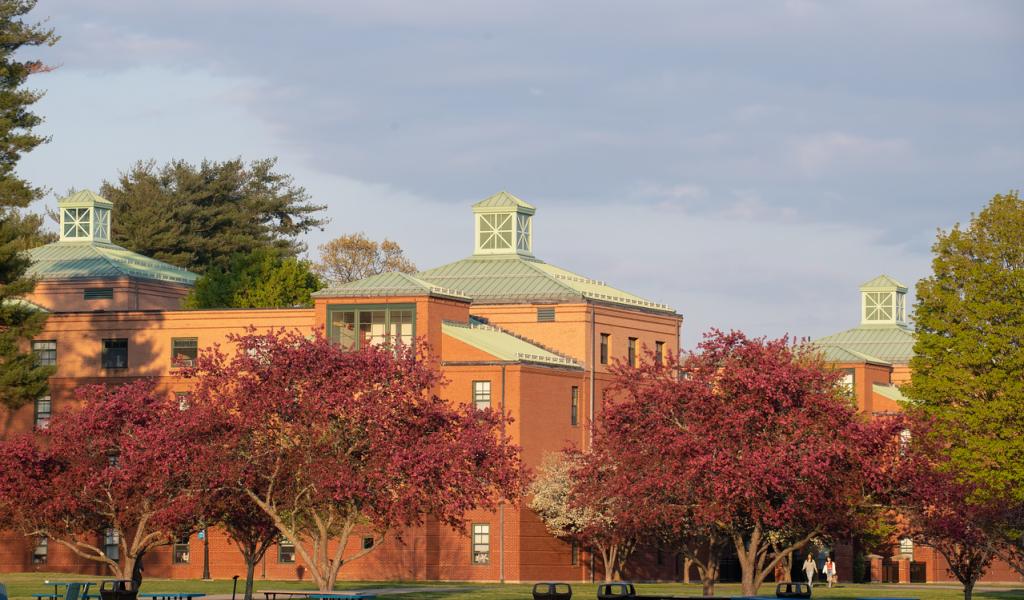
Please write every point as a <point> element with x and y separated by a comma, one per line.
<point>21,586</point>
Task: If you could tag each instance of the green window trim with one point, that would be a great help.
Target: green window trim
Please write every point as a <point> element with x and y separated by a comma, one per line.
<point>42,411</point>
<point>605,347</point>
<point>184,352</point>
<point>482,394</point>
<point>480,544</point>
<point>574,414</point>
<point>352,325</point>
<point>631,354</point>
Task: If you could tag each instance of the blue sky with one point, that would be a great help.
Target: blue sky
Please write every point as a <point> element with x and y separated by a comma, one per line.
<point>749,163</point>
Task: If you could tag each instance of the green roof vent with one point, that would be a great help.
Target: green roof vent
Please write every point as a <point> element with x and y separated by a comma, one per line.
<point>84,217</point>
<point>883,302</point>
<point>503,225</point>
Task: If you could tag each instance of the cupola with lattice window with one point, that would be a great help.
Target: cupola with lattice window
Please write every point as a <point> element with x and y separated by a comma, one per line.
<point>883,302</point>
<point>84,217</point>
<point>503,225</point>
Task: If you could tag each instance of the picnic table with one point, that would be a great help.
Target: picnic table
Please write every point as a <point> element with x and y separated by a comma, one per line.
<point>57,594</point>
<point>315,595</point>
<point>172,595</point>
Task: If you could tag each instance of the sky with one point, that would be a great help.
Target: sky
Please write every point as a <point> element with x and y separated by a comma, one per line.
<point>748,163</point>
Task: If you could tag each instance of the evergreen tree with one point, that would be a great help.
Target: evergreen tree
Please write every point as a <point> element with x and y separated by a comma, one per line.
<point>21,379</point>
<point>261,279</point>
<point>199,216</point>
<point>968,371</point>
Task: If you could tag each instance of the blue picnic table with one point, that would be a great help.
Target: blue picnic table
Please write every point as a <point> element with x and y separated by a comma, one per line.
<point>172,595</point>
<point>315,595</point>
<point>58,595</point>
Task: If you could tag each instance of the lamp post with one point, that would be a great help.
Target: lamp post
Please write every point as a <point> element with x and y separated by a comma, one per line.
<point>206,554</point>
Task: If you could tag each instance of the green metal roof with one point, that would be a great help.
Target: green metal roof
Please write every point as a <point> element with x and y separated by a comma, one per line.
<point>503,279</point>
<point>21,302</point>
<point>889,391</point>
<point>503,345</point>
<point>882,282</point>
<point>891,343</point>
<point>98,260</point>
<point>839,354</point>
<point>389,284</point>
<point>85,198</point>
<point>503,200</point>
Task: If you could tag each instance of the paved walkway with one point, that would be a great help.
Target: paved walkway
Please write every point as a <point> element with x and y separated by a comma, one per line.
<point>383,591</point>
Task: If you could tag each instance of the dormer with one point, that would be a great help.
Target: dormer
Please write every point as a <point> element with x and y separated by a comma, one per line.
<point>503,225</point>
<point>84,217</point>
<point>883,302</point>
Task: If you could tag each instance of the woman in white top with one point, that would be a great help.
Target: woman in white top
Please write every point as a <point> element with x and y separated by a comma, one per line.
<point>811,569</point>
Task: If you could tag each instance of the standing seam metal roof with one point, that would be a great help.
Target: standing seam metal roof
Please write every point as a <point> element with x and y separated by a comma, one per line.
<point>890,343</point>
<point>503,345</point>
<point>97,260</point>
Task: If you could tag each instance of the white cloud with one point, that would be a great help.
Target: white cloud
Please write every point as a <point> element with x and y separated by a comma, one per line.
<point>819,154</point>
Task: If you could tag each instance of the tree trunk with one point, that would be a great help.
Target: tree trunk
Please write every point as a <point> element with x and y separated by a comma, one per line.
<point>686,570</point>
<point>250,575</point>
<point>968,590</point>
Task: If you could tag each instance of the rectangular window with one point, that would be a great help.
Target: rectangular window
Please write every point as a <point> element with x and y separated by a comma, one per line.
<point>43,411</point>
<point>631,352</point>
<point>848,380</point>
<point>481,394</point>
<point>285,551</point>
<point>184,399</point>
<point>604,348</point>
<point>180,554</point>
<point>545,315</point>
<point>184,352</point>
<point>574,554</point>
<point>367,543</point>
<point>353,327</point>
<point>41,551</point>
<point>98,293</point>
<point>574,411</point>
<point>110,544</point>
<point>115,354</point>
<point>659,352</point>
<point>481,543</point>
<point>46,352</point>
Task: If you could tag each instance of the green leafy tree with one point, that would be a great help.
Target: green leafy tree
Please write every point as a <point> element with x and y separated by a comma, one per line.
<point>21,379</point>
<point>261,279</point>
<point>968,372</point>
<point>199,216</point>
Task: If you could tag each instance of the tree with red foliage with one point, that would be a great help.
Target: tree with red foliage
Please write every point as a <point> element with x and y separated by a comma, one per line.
<point>752,439</point>
<point>113,463</point>
<point>325,440</point>
<point>941,508</point>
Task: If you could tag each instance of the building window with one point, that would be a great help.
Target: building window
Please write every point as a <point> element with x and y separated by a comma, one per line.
<point>574,554</point>
<point>848,380</point>
<point>367,543</point>
<point>45,351</point>
<point>481,394</point>
<point>495,232</point>
<point>41,551</point>
<point>184,399</point>
<point>545,315</point>
<point>285,551</point>
<point>115,354</point>
<point>111,543</point>
<point>574,411</point>
<point>180,555</point>
<point>77,222</point>
<point>184,352</point>
<point>481,543</point>
<point>43,411</point>
<point>659,352</point>
<point>605,338</point>
<point>631,352</point>
<point>878,306</point>
<point>353,327</point>
<point>98,294</point>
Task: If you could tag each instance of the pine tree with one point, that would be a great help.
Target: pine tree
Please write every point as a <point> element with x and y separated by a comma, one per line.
<point>968,371</point>
<point>21,379</point>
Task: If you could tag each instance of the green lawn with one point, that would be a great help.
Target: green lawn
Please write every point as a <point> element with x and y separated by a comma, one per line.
<point>21,586</point>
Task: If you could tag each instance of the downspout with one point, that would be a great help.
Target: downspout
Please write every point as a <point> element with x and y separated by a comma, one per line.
<point>593,368</point>
<point>501,507</point>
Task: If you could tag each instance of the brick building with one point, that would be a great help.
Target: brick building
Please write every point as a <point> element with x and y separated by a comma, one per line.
<point>508,331</point>
<point>875,356</point>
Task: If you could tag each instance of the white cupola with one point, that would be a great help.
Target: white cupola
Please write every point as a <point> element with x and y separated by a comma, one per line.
<point>84,217</point>
<point>503,225</point>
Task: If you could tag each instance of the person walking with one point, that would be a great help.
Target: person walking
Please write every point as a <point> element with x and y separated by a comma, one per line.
<point>830,571</point>
<point>810,569</point>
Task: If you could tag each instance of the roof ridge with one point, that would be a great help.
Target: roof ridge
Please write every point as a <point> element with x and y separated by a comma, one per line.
<point>556,280</point>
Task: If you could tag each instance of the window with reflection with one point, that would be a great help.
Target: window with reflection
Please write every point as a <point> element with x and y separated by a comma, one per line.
<point>354,326</point>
